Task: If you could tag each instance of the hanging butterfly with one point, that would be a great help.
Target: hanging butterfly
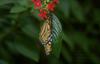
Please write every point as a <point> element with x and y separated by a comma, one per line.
<point>49,32</point>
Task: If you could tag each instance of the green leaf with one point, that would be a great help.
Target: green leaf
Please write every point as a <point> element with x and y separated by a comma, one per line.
<point>94,58</point>
<point>66,54</point>
<point>26,52</point>
<point>96,15</point>
<point>81,39</point>
<point>11,47</point>
<point>3,2</point>
<point>29,30</point>
<point>68,41</point>
<point>18,9</point>
<point>53,60</point>
<point>26,46</point>
<point>25,3</point>
<point>29,27</point>
<point>77,10</point>
<point>65,8</point>
<point>4,54</point>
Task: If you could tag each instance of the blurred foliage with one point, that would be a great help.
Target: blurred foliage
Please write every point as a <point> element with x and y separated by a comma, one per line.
<point>20,26</point>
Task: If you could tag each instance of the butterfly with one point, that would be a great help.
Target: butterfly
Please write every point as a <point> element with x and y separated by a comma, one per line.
<point>45,36</point>
<point>49,33</point>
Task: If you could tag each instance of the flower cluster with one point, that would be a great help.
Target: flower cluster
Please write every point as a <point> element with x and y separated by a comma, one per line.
<point>44,6</point>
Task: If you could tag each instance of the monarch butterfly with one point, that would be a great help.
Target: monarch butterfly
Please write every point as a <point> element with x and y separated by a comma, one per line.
<point>45,36</point>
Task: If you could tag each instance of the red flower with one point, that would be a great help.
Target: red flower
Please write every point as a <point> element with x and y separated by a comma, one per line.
<point>43,14</point>
<point>51,6</point>
<point>37,3</point>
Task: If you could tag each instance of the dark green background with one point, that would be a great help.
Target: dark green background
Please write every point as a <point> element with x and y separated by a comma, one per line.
<point>20,26</point>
